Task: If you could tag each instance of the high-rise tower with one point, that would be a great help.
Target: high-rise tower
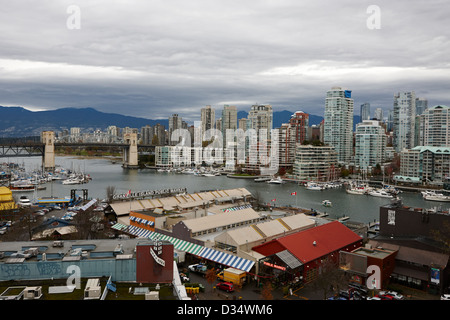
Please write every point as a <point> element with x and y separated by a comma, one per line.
<point>338,123</point>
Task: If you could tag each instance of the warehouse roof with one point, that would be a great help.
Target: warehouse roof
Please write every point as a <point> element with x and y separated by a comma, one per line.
<point>312,243</point>
<point>221,219</point>
<point>179,201</point>
<point>266,229</point>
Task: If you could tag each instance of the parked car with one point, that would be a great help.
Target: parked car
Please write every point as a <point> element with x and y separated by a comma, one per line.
<point>445,297</point>
<point>360,288</point>
<point>373,298</point>
<point>385,297</point>
<point>396,295</point>
<point>199,268</point>
<point>225,286</point>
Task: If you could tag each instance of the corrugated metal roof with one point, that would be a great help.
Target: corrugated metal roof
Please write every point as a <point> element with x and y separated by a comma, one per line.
<point>170,203</point>
<point>221,219</point>
<point>291,261</point>
<point>312,243</point>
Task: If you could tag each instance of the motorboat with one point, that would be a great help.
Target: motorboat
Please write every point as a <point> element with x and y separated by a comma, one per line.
<point>208,175</point>
<point>72,181</point>
<point>380,193</point>
<point>276,180</point>
<point>262,179</point>
<point>22,186</point>
<point>327,203</point>
<point>314,186</point>
<point>435,196</point>
<point>358,189</point>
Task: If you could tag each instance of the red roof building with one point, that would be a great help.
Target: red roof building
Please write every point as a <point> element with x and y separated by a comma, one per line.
<point>301,254</point>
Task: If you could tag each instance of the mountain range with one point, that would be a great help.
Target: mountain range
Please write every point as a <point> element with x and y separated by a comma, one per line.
<point>20,122</point>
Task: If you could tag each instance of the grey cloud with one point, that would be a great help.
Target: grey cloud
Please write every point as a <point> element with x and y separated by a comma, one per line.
<point>163,57</point>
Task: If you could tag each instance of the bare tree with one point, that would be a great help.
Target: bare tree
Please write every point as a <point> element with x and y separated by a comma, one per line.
<point>110,192</point>
<point>266,292</point>
<point>329,278</point>
<point>442,235</point>
<point>22,224</point>
<point>211,276</point>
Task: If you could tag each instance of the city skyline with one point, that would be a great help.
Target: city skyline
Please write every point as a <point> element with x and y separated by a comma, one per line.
<point>154,59</point>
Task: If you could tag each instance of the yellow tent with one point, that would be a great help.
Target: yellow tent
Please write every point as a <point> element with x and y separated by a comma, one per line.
<point>6,199</point>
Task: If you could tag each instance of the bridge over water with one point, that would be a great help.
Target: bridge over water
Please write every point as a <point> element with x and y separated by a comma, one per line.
<point>46,148</point>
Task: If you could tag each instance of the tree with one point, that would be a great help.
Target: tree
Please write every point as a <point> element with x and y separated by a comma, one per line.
<point>266,292</point>
<point>442,236</point>
<point>22,226</point>
<point>329,277</point>
<point>110,192</point>
<point>155,140</point>
<point>211,276</point>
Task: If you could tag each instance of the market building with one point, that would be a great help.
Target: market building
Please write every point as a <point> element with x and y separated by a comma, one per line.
<point>299,256</point>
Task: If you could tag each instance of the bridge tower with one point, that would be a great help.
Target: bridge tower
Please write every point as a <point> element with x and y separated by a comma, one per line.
<point>130,153</point>
<point>48,157</point>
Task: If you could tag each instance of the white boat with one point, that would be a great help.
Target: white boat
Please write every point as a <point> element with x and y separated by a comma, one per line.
<point>72,181</point>
<point>327,203</point>
<point>262,179</point>
<point>314,186</point>
<point>434,196</point>
<point>276,180</point>
<point>22,186</point>
<point>208,175</point>
<point>380,193</point>
<point>24,202</point>
<point>391,189</point>
<point>358,189</point>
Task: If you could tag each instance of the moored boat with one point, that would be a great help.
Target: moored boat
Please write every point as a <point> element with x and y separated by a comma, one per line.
<point>435,196</point>
<point>314,186</point>
<point>380,193</point>
<point>276,180</point>
<point>22,186</point>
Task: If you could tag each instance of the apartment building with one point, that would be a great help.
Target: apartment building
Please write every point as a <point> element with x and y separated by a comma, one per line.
<point>338,123</point>
<point>370,144</point>
<point>315,163</point>
<point>435,126</point>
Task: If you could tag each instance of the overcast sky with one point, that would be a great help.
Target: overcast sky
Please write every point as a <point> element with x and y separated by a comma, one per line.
<point>154,58</point>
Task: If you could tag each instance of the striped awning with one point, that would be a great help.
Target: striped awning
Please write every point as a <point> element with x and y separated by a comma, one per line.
<point>177,243</point>
<point>119,226</point>
<point>192,248</point>
<point>142,221</point>
<point>227,259</point>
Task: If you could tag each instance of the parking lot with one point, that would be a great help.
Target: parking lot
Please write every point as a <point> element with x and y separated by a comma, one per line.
<point>253,291</point>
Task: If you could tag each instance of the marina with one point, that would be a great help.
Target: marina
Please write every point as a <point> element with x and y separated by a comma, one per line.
<point>104,173</point>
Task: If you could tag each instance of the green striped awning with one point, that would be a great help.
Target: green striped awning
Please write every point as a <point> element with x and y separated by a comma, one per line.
<point>189,247</point>
<point>178,244</point>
